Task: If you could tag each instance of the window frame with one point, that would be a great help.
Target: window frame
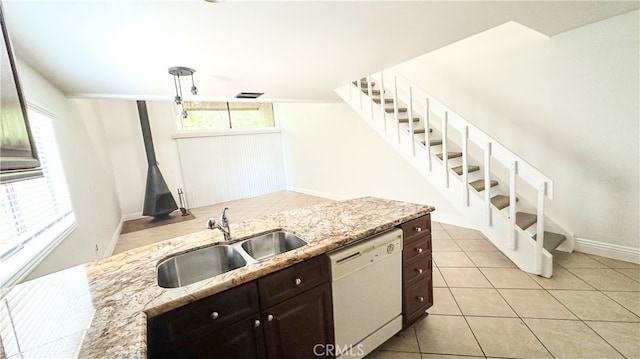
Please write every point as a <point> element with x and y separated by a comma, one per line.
<point>179,133</point>
<point>19,264</point>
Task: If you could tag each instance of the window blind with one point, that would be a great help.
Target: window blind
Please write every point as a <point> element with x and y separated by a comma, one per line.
<point>29,208</point>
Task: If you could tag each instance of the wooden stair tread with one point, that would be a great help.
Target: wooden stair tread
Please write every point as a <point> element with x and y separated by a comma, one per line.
<point>386,100</point>
<point>525,220</point>
<point>552,240</point>
<point>450,155</point>
<point>479,184</point>
<point>406,120</point>
<point>432,142</point>
<point>501,201</point>
<point>391,110</point>
<point>470,169</point>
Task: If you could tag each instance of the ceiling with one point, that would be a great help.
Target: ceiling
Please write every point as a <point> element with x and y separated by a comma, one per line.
<point>295,50</point>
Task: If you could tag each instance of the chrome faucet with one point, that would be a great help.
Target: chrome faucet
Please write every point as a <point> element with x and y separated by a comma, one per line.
<point>223,225</point>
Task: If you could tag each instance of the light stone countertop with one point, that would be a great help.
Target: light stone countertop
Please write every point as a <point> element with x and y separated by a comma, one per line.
<point>99,309</point>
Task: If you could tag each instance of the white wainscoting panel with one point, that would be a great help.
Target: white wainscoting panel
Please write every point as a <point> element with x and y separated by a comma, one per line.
<point>225,168</point>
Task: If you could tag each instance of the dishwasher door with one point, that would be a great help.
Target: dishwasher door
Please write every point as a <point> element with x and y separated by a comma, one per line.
<point>367,293</point>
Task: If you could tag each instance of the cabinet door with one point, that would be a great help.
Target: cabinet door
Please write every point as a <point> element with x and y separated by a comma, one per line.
<point>241,340</point>
<point>300,327</point>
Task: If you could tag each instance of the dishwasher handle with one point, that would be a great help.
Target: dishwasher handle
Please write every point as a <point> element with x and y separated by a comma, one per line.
<point>348,258</point>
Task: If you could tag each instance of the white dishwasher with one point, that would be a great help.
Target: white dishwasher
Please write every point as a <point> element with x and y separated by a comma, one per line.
<point>367,293</point>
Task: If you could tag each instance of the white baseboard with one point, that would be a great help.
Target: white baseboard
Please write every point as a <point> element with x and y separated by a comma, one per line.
<point>453,220</point>
<point>114,239</point>
<point>333,196</point>
<point>614,251</point>
<point>130,216</point>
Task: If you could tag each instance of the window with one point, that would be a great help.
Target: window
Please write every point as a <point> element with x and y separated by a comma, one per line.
<point>34,213</point>
<point>208,116</point>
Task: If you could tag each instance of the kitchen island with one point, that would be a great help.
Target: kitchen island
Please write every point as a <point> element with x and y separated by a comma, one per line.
<point>100,309</point>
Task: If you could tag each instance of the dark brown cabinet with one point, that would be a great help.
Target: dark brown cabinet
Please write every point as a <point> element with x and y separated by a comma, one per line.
<point>417,279</point>
<point>282,315</point>
<point>300,327</point>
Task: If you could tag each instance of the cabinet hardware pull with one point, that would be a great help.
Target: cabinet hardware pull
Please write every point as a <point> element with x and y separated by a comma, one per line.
<point>419,270</point>
<point>269,317</point>
<point>419,250</point>
<point>420,299</point>
<point>214,315</point>
<point>256,323</point>
<point>298,281</point>
<point>418,229</point>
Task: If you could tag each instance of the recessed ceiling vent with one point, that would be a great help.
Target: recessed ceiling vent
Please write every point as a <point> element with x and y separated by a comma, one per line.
<point>249,94</point>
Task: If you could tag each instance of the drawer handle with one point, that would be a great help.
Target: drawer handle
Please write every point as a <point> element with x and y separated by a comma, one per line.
<point>418,229</point>
<point>420,299</point>
<point>298,281</point>
<point>418,249</point>
<point>269,317</point>
<point>256,323</point>
<point>419,270</point>
<point>214,315</point>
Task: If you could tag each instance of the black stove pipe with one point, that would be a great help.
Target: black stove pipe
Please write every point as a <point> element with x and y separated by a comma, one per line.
<point>158,200</point>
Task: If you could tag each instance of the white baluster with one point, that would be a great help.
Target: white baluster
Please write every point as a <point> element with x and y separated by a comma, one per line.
<point>411,130</point>
<point>395,106</point>
<point>487,182</point>
<point>427,136</point>
<point>360,92</point>
<point>465,169</point>
<point>542,191</point>
<point>513,171</point>
<point>382,102</point>
<point>445,157</point>
<point>369,91</point>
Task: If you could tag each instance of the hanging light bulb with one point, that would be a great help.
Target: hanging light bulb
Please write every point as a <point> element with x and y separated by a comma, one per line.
<point>194,90</point>
<point>178,71</point>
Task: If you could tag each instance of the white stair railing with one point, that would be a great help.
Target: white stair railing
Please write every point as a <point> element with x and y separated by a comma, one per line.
<point>520,172</point>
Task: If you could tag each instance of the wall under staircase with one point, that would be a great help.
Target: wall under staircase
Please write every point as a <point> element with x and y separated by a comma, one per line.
<point>498,192</point>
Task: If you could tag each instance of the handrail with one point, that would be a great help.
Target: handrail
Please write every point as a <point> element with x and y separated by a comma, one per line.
<point>526,171</point>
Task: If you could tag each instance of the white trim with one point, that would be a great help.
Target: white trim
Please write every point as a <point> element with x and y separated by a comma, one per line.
<point>453,220</point>
<point>27,261</point>
<point>114,239</point>
<point>260,131</point>
<point>614,251</point>
<point>333,196</point>
<point>130,216</point>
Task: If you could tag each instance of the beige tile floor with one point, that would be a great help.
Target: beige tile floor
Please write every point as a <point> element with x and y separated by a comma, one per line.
<point>485,307</point>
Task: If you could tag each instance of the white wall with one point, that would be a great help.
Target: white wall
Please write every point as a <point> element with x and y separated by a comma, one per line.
<point>229,167</point>
<point>90,180</point>
<point>329,151</point>
<point>125,147</point>
<point>569,105</point>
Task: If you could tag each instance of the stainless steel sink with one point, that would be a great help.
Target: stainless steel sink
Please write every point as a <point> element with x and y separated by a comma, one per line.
<point>270,244</point>
<point>200,264</point>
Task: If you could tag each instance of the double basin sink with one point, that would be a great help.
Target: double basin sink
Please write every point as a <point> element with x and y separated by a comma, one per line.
<point>187,268</point>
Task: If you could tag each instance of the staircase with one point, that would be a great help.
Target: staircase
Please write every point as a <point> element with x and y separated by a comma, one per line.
<point>498,192</point>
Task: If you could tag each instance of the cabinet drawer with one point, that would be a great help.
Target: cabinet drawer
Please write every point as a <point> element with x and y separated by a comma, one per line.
<point>204,316</point>
<point>418,297</point>
<point>416,227</point>
<point>416,248</point>
<point>417,268</point>
<point>291,281</point>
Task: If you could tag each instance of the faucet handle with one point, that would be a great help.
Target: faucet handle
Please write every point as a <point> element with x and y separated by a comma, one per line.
<point>211,223</point>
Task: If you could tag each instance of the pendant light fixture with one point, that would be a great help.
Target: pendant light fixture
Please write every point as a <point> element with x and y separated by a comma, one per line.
<point>177,72</point>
